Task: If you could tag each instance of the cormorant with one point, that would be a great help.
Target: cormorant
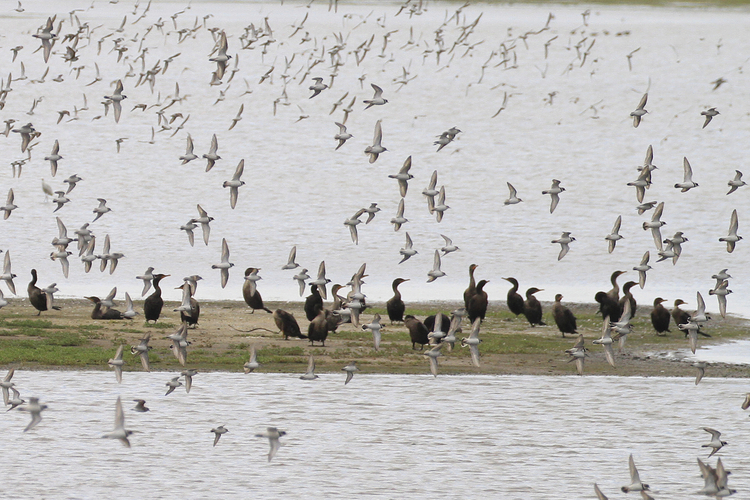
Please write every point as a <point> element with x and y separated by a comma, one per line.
<point>313,303</point>
<point>532,308</point>
<point>515,301</point>
<point>472,289</point>
<point>153,304</point>
<point>107,313</point>
<point>614,294</point>
<point>317,330</point>
<point>629,297</point>
<point>287,324</point>
<point>608,307</point>
<point>429,323</point>
<point>679,316</point>
<point>417,331</point>
<point>252,295</point>
<point>37,297</point>
<point>395,306</point>
<point>195,312</point>
<point>564,318</point>
<point>477,307</point>
<point>660,317</point>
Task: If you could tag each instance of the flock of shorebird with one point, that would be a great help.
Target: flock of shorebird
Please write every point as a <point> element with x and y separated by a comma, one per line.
<point>78,40</point>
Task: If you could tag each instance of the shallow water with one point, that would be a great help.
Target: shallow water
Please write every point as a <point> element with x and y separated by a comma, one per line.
<point>299,190</point>
<point>381,436</point>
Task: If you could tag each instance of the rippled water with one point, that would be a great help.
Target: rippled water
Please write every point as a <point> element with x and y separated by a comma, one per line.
<point>299,190</point>
<point>381,436</point>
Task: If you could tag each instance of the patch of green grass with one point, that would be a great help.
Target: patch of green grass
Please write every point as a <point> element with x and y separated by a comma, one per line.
<point>65,339</point>
<point>42,353</point>
<point>160,326</point>
<point>28,323</point>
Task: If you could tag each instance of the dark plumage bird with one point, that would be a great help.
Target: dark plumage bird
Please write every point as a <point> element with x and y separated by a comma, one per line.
<point>607,306</point>
<point>37,297</point>
<point>628,297</point>
<point>532,308</point>
<point>614,293</point>
<point>472,289</point>
<point>153,304</point>
<point>251,294</point>
<point>515,301</point>
<point>564,318</point>
<point>660,317</point>
<point>195,313</point>
<point>429,323</point>
<point>417,331</point>
<point>395,306</point>
<point>679,316</point>
<point>313,303</point>
<point>287,324</point>
<point>106,313</point>
<point>317,330</point>
<point>477,307</point>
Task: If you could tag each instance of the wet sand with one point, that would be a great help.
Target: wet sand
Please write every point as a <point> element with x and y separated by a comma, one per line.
<point>227,329</point>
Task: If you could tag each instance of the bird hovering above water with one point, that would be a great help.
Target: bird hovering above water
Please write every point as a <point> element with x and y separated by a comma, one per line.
<point>639,111</point>
<point>376,149</point>
<point>235,184</point>
<point>736,183</point>
<point>119,432</point>
<point>377,98</point>
<point>554,193</point>
<point>513,197</point>
<point>732,238</point>
<point>709,114</point>
<point>273,435</point>
<point>564,240</point>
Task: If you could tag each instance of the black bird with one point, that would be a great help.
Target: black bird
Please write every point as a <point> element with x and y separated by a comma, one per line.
<point>313,303</point>
<point>37,297</point>
<point>627,296</point>
<point>660,317</point>
<point>195,313</point>
<point>153,304</point>
<point>472,288</point>
<point>287,324</point>
<point>317,330</point>
<point>608,307</point>
<point>107,313</point>
<point>252,295</point>
<point>478,303</point>
<point>515,301</point>
<point>429,323</point>
<point>532,308</point>
<point>679,316</point>
<point>614,293</point>
<point>417,331</point>
<point>395,306</point>
<point>564,318</point>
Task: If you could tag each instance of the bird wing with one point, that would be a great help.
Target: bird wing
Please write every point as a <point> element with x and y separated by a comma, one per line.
<point>239,171</point>
<point>378,137</point>
<point>688,174</point>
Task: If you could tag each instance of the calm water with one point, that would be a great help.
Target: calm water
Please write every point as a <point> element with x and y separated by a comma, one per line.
<point>381,436</point>
<point>299,190</point>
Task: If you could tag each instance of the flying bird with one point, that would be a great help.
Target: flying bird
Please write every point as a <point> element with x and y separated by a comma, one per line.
<point>736,183</point>
<point>564,240</point>
<point>377,98</point>
<point>639,111</point>
<point>687,184</point>
<point>709,114</point>
<point>224,265</point>
<point>235,184</point>
<point>732,238</point>
<point>613,237</point>
<point>376,147</point>
<point>554,192</point>
<point>119,432</point>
